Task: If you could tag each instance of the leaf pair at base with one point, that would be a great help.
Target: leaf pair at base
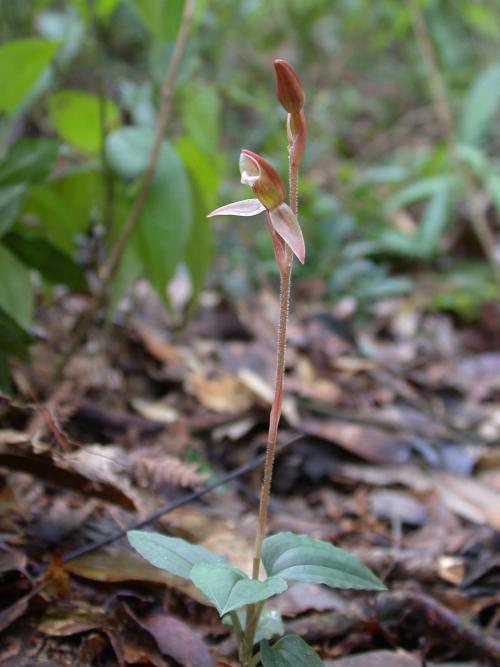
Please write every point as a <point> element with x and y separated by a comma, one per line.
<point>285,556</point>
<point>225,586</point>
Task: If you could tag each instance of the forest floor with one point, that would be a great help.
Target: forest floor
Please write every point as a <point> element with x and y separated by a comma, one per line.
<point>390,448</point>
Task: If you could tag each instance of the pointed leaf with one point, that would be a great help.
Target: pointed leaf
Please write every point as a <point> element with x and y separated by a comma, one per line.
<point>229,588</point>
<point>22,62</point>
<point>172,554</point>
<point>481,104</point>
<point>39,253</point>
<point>287,226</point>
<point>244,208</point>
<point>302,558</point>
<point>289,651</point>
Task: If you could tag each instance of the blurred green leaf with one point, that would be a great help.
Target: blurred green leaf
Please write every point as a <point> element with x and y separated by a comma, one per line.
<point>161,17</point>
<point>129,149</point>
<point>481,105</point>
<point>13,338</point>
<point>16,291</point>
<point>21,64</point>
<point>419,189</point>
<point>102,8</point>
<point>166,219</point>
<point>64,206</point>
<point>204,173</point>
<point>11,197</point>
<point>201,117</point>
<point>28,161</point>
<point>433,222</point>
<point>38,253</point>
<point>76,116</point>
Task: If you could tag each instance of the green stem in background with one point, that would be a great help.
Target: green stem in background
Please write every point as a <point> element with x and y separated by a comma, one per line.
<point>112,264</point>
<point>444,115</point>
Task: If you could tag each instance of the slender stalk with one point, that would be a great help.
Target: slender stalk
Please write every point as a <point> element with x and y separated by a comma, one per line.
<point>253,611</point>
<point>111,266</point>
<point>274,418</point>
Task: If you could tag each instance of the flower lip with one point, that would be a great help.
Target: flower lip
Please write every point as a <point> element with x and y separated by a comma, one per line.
<point>262,178</point>
<point>249,168</point>
<point>289,90</point>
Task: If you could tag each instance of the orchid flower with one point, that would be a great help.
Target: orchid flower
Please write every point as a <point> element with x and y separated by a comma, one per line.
<point>270,192</point>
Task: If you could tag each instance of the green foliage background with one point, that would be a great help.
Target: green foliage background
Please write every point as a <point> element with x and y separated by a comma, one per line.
<point>383,205</point>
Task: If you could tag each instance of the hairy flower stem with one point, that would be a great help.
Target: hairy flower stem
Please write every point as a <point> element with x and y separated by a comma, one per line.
<point>253,611</point>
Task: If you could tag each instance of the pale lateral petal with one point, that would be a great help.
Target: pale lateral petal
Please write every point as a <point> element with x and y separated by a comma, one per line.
<point>287,226</point>
<point>245,208</point>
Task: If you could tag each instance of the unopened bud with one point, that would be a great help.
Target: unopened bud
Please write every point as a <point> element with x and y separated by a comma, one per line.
<point>289,90</point>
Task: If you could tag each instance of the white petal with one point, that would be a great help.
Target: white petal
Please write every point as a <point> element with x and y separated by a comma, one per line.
<point>287,226</point>
<point>245,208</point>
<point>249,169</point>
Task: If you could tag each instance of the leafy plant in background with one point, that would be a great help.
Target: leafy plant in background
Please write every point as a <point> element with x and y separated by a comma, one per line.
<point>238,598</point>
<point>65,201</point>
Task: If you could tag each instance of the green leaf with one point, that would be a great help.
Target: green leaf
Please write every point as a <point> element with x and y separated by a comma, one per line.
<point>161,17</point>
<point>229,588</point>
<point>204,174</point>
<point>54,265</point>
<point>63,206</point>
<point>102,8</point>
<point>13,338</point>
<point>165,221</point>
<point>302,558</point>
<point>21,64</point>
<point>289,651</point>
<point>172,554</point>
<point>481,105</point>
<point>28,161</point>
<point>417,190</point>
<point>11,197</point>
<point>129,149</point>
<point>16,290</point>
<point>76,116</point>
<point>433,222</point>
<point>201,118</point>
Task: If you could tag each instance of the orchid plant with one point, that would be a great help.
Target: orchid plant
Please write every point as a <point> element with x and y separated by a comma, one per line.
<point>239,598</point>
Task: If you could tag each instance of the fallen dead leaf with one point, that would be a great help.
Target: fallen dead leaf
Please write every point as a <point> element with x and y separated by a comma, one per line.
<point>176,640</point>
<point>226,394</point>
<point>123,565</point>
<point>367,442</point>
<point>42,467</point>
<point>469,498</point>
<point>72,618</point>
<point>158,411</point>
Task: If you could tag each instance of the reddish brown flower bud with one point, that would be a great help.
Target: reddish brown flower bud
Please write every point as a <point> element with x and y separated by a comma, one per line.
<point>262,178</point>
<point>289,88</point>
